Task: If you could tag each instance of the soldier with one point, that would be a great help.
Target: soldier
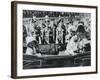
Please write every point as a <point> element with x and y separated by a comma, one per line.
<point>46,30</point>
<point>59,32</point>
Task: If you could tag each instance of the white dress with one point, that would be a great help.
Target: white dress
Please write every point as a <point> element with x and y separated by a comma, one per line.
<point>71,46</point>
<point>29,51</point>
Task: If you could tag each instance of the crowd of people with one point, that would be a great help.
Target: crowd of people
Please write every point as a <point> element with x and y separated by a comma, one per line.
<point>76,33</point>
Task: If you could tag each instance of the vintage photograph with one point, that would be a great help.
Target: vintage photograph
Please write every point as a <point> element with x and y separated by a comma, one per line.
<point>50,39</point>
<point>54,39</point>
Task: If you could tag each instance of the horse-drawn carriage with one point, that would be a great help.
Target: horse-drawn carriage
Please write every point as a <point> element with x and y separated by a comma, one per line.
<point>50,57</point>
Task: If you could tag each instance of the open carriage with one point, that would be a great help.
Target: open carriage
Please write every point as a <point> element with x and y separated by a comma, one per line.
<point>50,57</point>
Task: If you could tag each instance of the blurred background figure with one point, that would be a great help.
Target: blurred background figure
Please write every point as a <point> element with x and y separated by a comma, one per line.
<point>24,39</point>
